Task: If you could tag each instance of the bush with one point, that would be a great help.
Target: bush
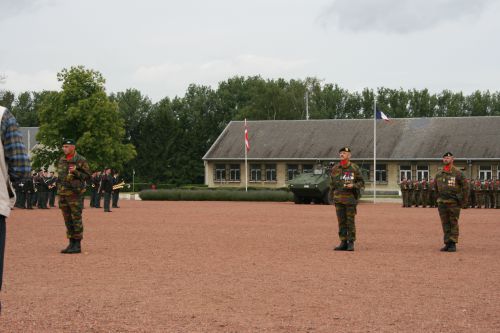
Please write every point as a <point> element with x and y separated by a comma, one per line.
<point>216,195</point>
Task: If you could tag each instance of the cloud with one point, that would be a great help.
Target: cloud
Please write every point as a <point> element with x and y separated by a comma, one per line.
<point>10,8</point>
<point>38,81</point>
<point>173,78</point>
<point>399,16</point>
<point>247,64</point>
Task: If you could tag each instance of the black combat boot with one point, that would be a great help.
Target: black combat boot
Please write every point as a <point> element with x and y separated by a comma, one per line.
<point>76,247</point>
<point>350,246</point>
<point>452,247</point>
<point>342,246</point>
<point>69,247</point>
<point>445,247</point>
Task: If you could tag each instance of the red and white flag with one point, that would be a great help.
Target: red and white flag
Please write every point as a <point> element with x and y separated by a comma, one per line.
<point>247,143</point>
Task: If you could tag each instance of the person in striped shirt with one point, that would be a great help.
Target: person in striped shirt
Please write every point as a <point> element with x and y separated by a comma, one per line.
<point>14,166</point>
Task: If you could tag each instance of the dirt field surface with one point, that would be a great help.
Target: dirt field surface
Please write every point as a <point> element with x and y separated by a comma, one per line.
<point>250,267</point>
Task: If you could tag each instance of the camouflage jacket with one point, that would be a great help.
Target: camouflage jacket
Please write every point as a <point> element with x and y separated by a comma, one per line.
<point>340,177</point>
<point>72,183</point>
<point>451,186</point>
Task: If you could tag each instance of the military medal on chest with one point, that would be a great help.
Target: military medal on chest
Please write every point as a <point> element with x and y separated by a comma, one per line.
<point>347,178</point>
<point>451,182</point>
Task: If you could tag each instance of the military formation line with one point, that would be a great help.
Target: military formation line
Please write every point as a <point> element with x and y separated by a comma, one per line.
<point>40,190</point>
<point>481,194</point>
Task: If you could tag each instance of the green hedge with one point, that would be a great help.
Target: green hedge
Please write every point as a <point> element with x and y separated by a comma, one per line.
<point>215,195</point>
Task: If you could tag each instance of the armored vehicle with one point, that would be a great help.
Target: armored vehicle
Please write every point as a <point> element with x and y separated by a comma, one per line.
<point>312,186</point>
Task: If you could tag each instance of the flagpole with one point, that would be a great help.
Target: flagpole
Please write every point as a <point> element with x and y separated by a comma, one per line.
<point>374,185</point>
<point>245,149</point>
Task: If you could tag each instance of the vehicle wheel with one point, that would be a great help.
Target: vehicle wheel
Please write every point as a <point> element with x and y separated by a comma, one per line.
<point>306,200</point>
<point>297,199</point>
<point>327,198</point>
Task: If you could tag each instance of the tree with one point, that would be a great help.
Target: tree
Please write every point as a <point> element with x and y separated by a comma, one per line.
<point>7,99</point>
<point>82,111</point>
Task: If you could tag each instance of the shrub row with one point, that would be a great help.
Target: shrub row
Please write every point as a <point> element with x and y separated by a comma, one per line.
<point>218,195</point>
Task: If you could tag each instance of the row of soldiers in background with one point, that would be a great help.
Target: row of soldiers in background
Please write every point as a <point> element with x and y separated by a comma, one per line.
<point>482,193</point>
<point>39,190</point>
<point>104,184</point>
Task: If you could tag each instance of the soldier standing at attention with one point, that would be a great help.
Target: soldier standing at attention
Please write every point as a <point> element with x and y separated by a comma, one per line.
<point>107,188</point>
<point>29,190</point>
<point>410,193</point>
<point>346,182</point>
<point>425,193</point>
<point>52,189</point>
<point>450,189</point>
<point>404,192</point>
<point>117,186</point>
<point>486,193</point>
<point>73,171</point>
<point>497,191</point>
<point>492,193</point>
<point>43,190</point>
<point>432,193</point>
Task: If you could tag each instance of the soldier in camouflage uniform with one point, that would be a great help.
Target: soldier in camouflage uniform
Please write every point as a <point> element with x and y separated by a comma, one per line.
<point>416,192</point>
<point>486,193</point>
<point>424,193</point>
<point>492,193</point>
<point>432,193</point>
<point>405,192</point>
<point>478,195</point>
<point>497,193</point>
<point>73,171</point>
<point>346,183</point>
<point>450,189</point>
<point>410,193</point>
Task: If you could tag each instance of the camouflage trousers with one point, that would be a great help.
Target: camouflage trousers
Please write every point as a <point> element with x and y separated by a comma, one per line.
<point>406,198</point>
<point>345,217</point>
<point>71,207</point>
<point>449,214</point>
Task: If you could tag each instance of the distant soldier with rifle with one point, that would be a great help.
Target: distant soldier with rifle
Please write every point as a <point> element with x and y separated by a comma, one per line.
<point>346,183</point>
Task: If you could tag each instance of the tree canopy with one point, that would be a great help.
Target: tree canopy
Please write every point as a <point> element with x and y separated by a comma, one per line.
<point>172,135</point>
<point>82,111</point>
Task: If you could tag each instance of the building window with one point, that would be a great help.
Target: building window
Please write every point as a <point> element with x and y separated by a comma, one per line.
<point>404,172</point>
<point>220,173</point>
<point>498,172</point>
<point>271,172</point>
<point>381,173</point>
<point>422,172</point>
<point>485,172</point>
<point>365,171</point>
<point>234,172</point>
<point>255,173</point>
<point>307,167</point>
<point>292,170</point>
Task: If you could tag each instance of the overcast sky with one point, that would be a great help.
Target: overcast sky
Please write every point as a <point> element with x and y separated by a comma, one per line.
<point>160,47</point>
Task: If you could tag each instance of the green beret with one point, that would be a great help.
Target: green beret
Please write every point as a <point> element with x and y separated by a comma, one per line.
<point>346,149</point>
<point>447,154</point>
